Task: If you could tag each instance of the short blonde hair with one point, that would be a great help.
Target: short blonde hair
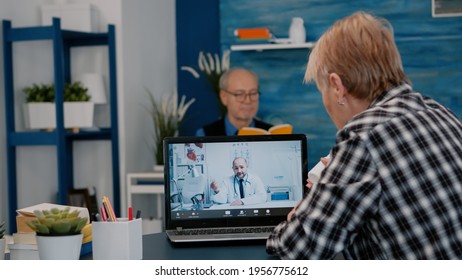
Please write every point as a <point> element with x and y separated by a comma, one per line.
<point>361,50</point>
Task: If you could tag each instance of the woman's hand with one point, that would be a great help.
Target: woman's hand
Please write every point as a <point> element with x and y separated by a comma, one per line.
<point>309,184</point>
<point>325,161</point>
<point>291,213</point>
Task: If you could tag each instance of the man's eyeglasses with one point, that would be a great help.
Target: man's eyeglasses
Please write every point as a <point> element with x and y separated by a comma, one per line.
<point>241,96</point>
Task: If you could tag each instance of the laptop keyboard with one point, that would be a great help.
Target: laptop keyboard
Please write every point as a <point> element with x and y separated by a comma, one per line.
<point>208,231</point>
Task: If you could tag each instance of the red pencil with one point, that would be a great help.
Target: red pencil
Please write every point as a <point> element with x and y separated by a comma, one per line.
<point>103,213</point>
<point>130,213</point>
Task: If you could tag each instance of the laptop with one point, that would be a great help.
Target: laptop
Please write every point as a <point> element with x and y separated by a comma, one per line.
<point>273,169</point>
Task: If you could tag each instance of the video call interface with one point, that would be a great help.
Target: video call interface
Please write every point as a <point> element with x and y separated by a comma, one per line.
<point>271,173</point>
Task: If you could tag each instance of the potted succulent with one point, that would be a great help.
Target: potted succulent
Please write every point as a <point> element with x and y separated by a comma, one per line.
<point>40,108</point>
<point>59,233</point>
<point>167,116</point>
<point>2,240</point>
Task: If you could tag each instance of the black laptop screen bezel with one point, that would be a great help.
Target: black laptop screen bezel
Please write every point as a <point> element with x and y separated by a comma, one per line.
<point>228,222</point>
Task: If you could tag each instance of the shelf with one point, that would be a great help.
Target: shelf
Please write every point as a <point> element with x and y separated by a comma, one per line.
<point>73,38</point>
<point>145,183</point>
<point>147,175</point>
<point>262,47</point>
<point>33,138</point>
<point>59,137</point>
<point>147,189</point>
<point>151,183</point>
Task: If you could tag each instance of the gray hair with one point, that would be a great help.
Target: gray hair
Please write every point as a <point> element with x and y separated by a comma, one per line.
<point>225,76</point>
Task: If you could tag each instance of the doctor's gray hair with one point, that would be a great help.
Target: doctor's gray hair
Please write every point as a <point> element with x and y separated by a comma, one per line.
<point>245,160</point>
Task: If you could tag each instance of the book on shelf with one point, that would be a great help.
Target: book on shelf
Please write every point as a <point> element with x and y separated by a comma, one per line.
<point>238,41</point>
<point>277,129</point>
<point>253,33</point>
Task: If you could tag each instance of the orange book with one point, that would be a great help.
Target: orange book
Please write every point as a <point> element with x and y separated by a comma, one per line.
<point>277,129</point>
<point>253,33</point>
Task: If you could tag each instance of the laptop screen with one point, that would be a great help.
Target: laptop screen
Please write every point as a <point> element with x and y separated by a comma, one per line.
<point>233,181</point>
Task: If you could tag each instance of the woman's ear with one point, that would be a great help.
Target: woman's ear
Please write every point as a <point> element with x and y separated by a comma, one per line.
<point>335,82</point>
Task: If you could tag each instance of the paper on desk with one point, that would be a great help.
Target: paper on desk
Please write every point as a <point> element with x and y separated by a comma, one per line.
<point>29,211</point>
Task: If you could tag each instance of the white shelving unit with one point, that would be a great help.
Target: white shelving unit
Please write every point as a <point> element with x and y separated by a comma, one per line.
<point>147,184</point>
<point>262,47</point>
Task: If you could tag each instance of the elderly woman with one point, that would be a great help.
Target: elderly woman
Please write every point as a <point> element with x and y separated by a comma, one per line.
<point>393,187</point>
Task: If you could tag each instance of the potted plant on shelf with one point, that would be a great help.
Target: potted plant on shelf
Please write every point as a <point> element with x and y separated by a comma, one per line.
<point>2,240</point>
<point>167,116</point>
<point>40,107</point>
<point>212,67</point>
<point>59,235</point>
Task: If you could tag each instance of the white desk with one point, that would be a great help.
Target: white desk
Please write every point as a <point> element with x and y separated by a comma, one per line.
<point>146,183</point>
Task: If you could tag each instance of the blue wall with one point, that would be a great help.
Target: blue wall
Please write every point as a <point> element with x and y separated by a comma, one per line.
<point>430,49</point>
<point>197,29</point>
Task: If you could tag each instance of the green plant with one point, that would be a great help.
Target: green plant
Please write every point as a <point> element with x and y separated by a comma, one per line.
<point>76,92</point>
<point>167,116</point>
<point>212,67</point>
<point>55,222</point>
<point>40,93</point>
<point>2,230</point>
<point>73,92</point>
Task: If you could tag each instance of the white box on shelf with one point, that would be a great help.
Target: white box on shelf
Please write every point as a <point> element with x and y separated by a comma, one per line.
<point>78,17</point>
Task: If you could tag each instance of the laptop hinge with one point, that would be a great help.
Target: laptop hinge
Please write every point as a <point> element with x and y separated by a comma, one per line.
<point>179,228</point>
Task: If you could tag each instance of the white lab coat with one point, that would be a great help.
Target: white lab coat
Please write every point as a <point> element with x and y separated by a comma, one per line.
<point>254,190</point>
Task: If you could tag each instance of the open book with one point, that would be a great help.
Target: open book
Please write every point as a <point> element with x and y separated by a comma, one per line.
<point>277,129</point>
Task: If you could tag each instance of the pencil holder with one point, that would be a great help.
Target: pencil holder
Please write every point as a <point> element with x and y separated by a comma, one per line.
<point>120,240</point>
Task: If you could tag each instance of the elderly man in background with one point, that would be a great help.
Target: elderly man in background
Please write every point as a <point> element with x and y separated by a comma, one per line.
<point>239,93</point>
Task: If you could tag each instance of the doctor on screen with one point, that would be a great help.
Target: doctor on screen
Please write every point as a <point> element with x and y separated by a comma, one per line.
<point>242,188</point>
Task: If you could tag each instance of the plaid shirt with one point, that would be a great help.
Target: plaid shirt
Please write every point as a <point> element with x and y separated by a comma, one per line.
<point>392,190</point>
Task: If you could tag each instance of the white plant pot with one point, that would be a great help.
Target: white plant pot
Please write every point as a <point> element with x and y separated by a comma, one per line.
<point>43,115</point>
<point>40,115</point>
<point>78,114</point>
<point>2,248</point>
<point>59,247</point>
